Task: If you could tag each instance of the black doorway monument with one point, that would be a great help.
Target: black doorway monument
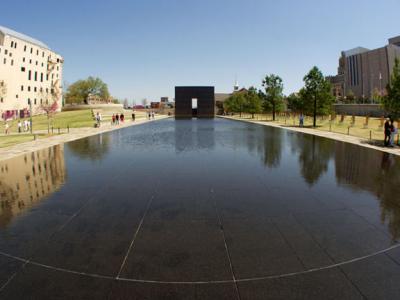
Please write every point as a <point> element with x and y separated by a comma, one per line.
<point>194,101</point>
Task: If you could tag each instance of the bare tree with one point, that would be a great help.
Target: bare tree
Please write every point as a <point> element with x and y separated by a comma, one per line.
<point>48,105</point>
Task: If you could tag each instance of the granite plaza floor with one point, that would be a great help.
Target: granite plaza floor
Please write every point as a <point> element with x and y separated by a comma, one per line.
<point>200,209</point>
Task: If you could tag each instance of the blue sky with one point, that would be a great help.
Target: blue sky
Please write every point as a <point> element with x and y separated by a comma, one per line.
<point>145,48</point>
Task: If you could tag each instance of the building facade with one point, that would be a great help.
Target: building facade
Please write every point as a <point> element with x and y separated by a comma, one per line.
<point>30,75</point>
<point>363,73</point>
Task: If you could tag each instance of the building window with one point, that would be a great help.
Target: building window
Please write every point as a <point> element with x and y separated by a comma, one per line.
<point>29,75</point>
<point>37,52</point>
<point>23,59</point>
<point>34,101</point>
<point>25,48</point>
<point>41,77</point>
<point>30,61</point>
<point>22,87</point>
<point>5,61</point>
<point>35,76</point>
<point>15,45</point>
<point>12,44</point>
<point>12,62</point>
<point>29,88</point>
<point>31,50</point>
<point>35,89</point>
<point>22,69</point>
<point>16,96</point>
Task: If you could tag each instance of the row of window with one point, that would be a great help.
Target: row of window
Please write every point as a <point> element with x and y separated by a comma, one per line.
<point>35,102</point>
<point>28,88</point>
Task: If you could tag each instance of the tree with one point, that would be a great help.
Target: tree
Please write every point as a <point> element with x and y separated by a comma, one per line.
<point>350,97</point>
<point>48,105</point>
<point>295,102</point>
<point>317,93</point>
<point>79,91</point>
<point>235,103</point>
<point>391,102</point>
<point>273,92</point>
<point>126,104</point>
<point>252,104</point>
<point>376,96</point>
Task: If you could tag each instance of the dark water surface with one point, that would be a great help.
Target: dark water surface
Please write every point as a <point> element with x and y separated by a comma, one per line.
<point>200,209</point>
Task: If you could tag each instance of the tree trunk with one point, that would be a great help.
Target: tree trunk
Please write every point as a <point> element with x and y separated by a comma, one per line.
<point>315,111</point>
<point>273,112</point>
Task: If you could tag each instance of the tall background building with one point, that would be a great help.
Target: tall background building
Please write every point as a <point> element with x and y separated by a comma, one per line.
<point>364,73</point>
<point>30,75</point>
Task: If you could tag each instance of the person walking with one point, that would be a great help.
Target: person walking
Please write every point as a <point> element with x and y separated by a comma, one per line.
<point>113,119</point>
<point>6,128</point>
<point>133,116</point>
<point>26,125</point>
<point>122,118</point>
<point>117,119</point>
<point>387,133</point>
<point>19,126</point>
<point>152,115</point>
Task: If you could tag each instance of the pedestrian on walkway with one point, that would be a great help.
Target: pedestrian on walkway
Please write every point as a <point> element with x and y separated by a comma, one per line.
<point>133,116</point>
<point>152,115</point>
<point>26,125</point>
<point>113,120</point>
<point>301,120</point>
<point>117,119</point>
<point>387,133</point>
<point>19,126</point>
<point>6,128</point>
<point>393,132</point>
<point>122,118</point>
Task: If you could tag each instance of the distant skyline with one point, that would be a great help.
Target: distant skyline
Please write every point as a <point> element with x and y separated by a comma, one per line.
<point>143,49</point>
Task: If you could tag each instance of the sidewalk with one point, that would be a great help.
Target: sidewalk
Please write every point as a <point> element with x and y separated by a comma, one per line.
<point>331,135</point>
<point>74,134</point>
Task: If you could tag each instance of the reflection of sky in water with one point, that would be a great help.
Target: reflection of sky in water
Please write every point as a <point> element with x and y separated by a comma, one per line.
<point>211,152</point>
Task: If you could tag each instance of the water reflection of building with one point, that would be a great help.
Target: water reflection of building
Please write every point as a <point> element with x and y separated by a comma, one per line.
<point>26,180</point>
<point>376,172</point>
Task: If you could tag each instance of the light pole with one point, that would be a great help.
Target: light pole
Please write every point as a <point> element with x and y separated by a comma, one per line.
<point>30,115</point>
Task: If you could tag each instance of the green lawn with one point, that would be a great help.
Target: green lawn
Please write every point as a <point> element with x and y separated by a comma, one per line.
<point>73,119</point>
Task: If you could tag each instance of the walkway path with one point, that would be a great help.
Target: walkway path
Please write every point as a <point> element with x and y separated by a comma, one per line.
<point>74,134</point>
<point>331,135</point>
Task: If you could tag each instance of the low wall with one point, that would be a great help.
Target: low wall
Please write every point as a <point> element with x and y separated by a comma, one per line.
<point>373,110</point>
<point>70,107</point>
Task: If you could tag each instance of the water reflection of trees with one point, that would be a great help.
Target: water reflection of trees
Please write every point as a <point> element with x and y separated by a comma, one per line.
<point>376,172</point>
<point>26,180</point>
<point>314,154</point>
<point>92,148</point>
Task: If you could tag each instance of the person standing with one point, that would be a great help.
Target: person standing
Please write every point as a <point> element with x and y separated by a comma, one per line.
<point>117,119</point>
<point>113,119</point>
<point>133,116</point>
<point>301,120</point>
<point>19,126</point>
<point>122,118</point>
<point>387,133</point>
<point>393,131</point>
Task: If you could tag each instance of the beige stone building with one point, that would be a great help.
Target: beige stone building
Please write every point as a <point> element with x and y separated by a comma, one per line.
<point>27,180</point>
<point>30,73</point>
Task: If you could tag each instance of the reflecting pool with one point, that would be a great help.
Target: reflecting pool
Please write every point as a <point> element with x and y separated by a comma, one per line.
<point>200,209</point>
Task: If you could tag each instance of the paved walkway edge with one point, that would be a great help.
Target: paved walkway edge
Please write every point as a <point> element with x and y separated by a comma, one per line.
<point>330,135</point>
<point>75,134</point>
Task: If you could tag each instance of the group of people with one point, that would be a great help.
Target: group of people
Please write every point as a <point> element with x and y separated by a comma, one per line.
<point>23,126</point>
<point>390,132</point>
<point>150,115</point>
<point>117,119</point>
